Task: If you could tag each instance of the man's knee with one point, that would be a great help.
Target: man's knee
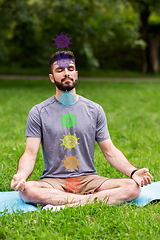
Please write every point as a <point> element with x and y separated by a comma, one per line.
<point>32,192</point>
<point>134,190</point>
<point>28,192</point>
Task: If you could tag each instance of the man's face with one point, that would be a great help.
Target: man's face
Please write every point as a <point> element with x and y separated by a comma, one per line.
<point>65,78</point>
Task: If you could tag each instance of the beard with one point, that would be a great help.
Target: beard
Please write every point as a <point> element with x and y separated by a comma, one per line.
<point>67,85</point>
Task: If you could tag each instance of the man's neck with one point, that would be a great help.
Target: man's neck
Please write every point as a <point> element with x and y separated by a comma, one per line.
<point>73,91</point>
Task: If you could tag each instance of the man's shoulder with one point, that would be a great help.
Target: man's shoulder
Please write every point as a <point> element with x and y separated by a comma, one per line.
<point>89,102</point>
<point>45,103</point>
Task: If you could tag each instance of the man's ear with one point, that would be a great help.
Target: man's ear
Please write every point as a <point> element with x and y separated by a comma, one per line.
<point>76,75</point>
<point>51,77</point>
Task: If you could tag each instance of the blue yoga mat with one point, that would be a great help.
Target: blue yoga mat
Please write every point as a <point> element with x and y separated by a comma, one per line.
<point>148,194</point>
<point>10,201</point>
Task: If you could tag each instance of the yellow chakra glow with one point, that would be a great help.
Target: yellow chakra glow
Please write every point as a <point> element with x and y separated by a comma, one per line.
<point>71,162</point>
<point>69,141</point>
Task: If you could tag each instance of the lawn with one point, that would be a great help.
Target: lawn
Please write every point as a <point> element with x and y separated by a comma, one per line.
<point>43,71</point>
<point>132,110</point>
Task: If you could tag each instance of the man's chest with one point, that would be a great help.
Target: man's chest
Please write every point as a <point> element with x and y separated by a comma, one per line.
<point>66,121</point>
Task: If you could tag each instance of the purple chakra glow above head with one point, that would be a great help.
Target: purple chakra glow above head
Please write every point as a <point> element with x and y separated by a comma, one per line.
<point>63,61</point>
<point>62,41</point>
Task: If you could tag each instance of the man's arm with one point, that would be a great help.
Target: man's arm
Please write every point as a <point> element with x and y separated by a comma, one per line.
<point>26,164</point>
<point>116,158</point>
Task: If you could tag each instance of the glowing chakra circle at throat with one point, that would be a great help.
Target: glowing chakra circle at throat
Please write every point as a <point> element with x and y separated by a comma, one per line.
<point>67,99</point>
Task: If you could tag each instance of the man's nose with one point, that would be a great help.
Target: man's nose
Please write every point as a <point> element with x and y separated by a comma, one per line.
<point>66,72</point>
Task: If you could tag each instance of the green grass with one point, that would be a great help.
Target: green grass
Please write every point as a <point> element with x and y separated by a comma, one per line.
<point>97,221</point>
<point>18,70</point>
<point>44,71</point>
<point>117,73</point>
<point>132,110</point>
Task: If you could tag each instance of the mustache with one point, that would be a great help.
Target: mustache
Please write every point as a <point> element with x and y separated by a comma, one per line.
<point>66,78</point>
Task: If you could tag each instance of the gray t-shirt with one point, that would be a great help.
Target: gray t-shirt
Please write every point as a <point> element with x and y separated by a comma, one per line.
<point>68,135</point>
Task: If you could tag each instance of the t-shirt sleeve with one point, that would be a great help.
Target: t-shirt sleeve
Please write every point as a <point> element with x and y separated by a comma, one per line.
<point>102,132</point>
<point>33,127</point>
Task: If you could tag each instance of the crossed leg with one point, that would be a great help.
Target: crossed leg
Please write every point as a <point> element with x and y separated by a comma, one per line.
<point>112,190</point>
<point>118,190</point>
<point>43,193</point>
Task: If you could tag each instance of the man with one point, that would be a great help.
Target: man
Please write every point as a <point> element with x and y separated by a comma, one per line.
<point>67,126</point>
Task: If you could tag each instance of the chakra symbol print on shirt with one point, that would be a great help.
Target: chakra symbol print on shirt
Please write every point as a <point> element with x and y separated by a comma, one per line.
<point>63,61</point>
<point>67,99</point>
<point>71,162</point>
<point>69,141</point>
<point>73,184</point>
<point>62,41</point>
<point>68,120</point>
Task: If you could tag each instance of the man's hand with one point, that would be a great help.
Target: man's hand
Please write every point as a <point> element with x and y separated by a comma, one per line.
<point>142,177</point>
<point>18,183</point>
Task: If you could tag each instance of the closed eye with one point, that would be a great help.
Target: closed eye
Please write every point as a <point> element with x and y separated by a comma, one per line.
<point>71,68</point>
<point>59,69</point>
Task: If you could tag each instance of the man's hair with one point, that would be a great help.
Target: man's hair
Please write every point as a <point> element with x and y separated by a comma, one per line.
<point>56,55</point>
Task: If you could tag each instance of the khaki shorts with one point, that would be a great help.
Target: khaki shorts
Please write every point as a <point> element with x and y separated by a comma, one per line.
<point>78,185</point>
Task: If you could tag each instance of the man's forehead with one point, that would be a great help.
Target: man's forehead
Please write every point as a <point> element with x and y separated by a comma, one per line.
<point>63,63</point>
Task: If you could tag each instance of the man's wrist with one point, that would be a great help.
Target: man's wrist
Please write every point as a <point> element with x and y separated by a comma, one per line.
<point>135,170</point>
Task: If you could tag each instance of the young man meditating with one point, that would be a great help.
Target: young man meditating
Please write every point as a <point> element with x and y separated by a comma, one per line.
<point>67,126</point>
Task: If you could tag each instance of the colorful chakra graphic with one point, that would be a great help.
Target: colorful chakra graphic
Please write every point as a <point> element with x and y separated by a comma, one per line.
<point>62,41</point>
<point>69,141</point>
<point>63,61</point>
<point>72,184</point>
<point>68,120</point>
<point>67,99</point>
<point>71,162</point>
